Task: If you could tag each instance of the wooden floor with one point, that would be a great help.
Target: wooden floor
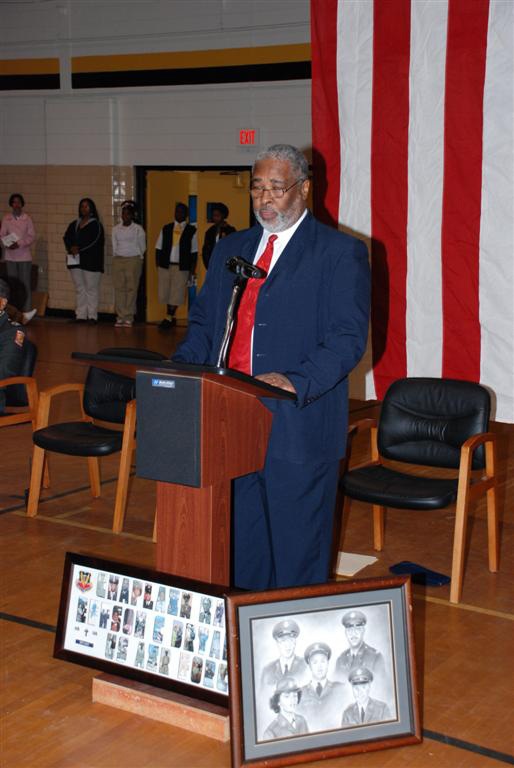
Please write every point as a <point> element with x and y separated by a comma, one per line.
<point>464,653</point>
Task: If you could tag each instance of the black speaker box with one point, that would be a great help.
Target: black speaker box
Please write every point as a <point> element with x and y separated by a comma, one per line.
<point>168,428</point>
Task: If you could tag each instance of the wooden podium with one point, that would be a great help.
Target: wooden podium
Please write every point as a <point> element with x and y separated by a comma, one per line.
<point>198,427</point>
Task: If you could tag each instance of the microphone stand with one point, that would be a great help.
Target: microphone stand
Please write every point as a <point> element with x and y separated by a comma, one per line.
<point>238,288</point>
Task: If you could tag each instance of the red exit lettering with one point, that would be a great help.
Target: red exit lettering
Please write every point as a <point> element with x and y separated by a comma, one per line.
<point>247,137</point>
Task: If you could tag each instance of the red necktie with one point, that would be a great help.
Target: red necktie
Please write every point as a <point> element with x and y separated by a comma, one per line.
<point>240,350</point>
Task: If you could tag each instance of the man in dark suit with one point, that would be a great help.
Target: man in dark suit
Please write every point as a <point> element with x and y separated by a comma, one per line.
<point>305,332</point>
<point>176,251</point>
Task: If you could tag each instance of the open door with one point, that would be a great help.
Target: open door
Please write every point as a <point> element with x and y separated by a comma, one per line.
<point>164,189</point>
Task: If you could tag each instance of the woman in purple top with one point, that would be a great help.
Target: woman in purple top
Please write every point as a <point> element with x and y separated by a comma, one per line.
<point>17,234</point>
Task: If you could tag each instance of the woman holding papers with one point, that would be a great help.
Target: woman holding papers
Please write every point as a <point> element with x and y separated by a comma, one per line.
<point>17,234</point>
<point>84,241</point>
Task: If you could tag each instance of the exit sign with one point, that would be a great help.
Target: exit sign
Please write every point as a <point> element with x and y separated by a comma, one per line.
<point>247,137</point>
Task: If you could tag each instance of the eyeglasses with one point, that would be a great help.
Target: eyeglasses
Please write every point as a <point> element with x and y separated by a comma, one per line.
<point>256,190</point>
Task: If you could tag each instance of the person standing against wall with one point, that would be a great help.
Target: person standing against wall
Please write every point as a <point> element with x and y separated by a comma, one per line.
<point>220,228</point>
<point>18,233</point>
<point>128,249</point>
<point>84,241</point>
<point>176,252</point>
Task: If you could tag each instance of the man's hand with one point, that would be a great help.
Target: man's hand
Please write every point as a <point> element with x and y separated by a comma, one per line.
<point>277,380</point>
<point>13,246</point>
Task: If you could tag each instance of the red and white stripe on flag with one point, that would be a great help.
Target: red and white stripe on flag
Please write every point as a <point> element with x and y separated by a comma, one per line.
<point>413,115</point>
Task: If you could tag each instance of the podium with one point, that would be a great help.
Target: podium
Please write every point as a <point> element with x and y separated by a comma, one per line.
<point>198,428</point>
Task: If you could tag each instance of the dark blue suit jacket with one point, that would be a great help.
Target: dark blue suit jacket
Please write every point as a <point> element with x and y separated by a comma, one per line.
<point>311,324</point>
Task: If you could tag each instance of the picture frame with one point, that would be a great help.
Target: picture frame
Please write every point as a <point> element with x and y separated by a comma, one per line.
<point>350,649</point>
<point>146,625</point>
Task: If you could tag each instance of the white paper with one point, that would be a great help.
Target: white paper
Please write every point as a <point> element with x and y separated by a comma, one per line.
<point>73,260</point>
<point>348,564</point>
<point>9,239</point>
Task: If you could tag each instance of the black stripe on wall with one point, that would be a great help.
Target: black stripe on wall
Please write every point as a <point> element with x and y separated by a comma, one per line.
<point>29,82</point>
<point>296,70</point>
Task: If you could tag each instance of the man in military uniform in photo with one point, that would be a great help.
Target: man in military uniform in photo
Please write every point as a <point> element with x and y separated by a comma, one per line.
<point>322,699</point>
<point>12,339</point>
<point>359,654</point>
<point>364,709</point>
<point>285,634</point>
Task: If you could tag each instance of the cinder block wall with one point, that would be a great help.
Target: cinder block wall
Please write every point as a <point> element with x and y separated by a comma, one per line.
<point>52,194</point>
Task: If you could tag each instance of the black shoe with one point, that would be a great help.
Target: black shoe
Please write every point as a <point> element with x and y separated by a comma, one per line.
<point>166,324</point>
<point>92,321</point>
<point>78,320</point>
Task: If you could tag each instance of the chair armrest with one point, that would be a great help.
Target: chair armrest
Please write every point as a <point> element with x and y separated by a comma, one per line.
<point>466,460</point>
<point>472,443</point>
<point>16,380</point>
<point>45,399</point>
<point>32,397</point>
<point>361,426</point>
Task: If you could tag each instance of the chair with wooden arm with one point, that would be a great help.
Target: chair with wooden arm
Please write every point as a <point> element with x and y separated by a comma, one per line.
<point>107,398</point>
<point>430,422</point>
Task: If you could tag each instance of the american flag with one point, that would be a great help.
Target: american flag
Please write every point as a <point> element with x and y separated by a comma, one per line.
<point>413,134</point>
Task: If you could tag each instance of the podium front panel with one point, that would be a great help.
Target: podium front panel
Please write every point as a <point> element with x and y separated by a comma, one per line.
<point>168,444</point>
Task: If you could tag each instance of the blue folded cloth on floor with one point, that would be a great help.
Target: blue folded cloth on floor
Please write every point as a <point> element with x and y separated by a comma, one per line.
<point>420,574</point>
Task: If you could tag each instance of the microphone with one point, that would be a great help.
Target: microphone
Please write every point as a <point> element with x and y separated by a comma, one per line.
<point>245,269</point>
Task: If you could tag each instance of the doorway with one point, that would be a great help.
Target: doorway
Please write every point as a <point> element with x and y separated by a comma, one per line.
<point>159,190</point>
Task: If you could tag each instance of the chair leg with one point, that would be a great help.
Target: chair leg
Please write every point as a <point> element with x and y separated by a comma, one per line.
<point>459,540</point>
<point>492,529</point>
<point>492,509</point>
<point>154,535</point>
<point>127,447</point>
<point>38,463</point>
<point>378,527</point>
<point>46,474</point>
<point>94,476</point>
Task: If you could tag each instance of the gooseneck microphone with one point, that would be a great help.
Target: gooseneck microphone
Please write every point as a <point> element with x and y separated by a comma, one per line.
<point>244,271</point>
<point>245,268</point>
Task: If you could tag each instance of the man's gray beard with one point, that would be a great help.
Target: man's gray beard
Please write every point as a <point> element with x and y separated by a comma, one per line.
<point>281,223</point>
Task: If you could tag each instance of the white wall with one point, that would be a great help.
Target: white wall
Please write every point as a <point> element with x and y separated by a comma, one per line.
<point>193,125</point>
<point>129,26</point>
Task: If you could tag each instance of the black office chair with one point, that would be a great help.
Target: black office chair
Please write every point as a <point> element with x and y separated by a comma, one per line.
<point>108,398</point>
<point>431,423</point>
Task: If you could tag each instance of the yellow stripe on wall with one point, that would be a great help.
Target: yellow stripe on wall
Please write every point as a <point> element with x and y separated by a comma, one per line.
<point>29,67</point>
<point>266,54</point>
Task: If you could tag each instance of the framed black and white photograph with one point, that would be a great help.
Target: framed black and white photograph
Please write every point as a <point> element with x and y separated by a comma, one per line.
<point>322,671</point>
<point>149,626</point>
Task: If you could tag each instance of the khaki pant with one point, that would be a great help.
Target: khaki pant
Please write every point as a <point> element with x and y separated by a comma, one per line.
<point>126,271</point>
<point>172,284</point>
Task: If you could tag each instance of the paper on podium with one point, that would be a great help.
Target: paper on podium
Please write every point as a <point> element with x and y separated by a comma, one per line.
<point>348,564</point>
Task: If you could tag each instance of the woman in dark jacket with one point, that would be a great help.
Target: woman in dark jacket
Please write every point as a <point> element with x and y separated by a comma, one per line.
<point>84,241</point>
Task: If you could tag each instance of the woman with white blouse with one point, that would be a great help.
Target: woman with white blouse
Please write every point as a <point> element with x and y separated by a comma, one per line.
<point>128,248</point>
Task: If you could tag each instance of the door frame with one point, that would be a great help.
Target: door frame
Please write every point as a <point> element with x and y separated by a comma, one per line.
<point>140,184</point>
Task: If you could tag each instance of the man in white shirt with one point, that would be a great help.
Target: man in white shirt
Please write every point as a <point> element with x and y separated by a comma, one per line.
<point>128,249</point>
